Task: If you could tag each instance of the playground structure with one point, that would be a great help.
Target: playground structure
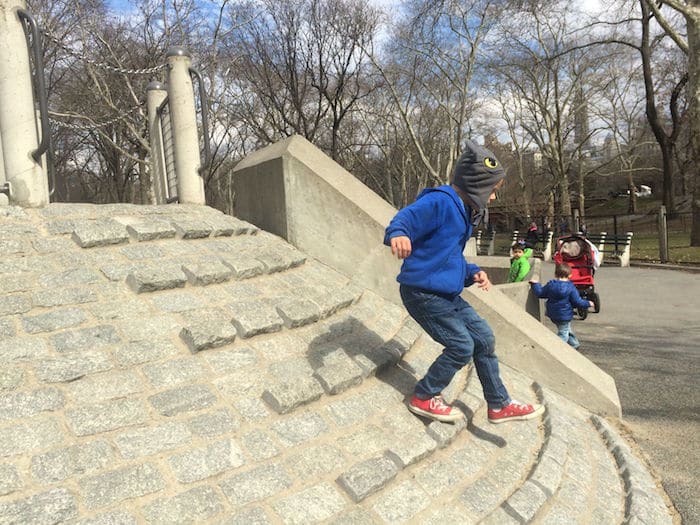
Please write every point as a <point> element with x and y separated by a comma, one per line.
<point>169,363</point>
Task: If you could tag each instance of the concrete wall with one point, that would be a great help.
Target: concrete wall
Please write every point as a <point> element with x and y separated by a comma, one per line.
<point>293,190</point>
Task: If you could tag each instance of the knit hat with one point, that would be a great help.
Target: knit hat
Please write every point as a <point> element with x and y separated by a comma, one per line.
<point>476,173</point>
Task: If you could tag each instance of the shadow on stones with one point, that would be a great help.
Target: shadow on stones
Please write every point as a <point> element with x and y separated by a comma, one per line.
<point>350,338</point>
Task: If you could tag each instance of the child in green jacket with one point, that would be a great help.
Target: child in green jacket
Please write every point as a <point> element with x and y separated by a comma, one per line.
<point>519,263</point>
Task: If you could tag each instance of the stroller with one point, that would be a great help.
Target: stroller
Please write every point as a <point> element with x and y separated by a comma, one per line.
<point>583,258</point>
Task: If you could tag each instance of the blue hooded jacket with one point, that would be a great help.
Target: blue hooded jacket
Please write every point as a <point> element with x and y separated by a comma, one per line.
<point>562,297</point>
<point>439,226</point>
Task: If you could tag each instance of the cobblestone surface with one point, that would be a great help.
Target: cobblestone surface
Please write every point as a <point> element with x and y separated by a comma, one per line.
<point>175,365</point>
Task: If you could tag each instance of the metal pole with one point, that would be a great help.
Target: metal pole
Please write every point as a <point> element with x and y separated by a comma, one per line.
<point>155,95</point>
<point>18,127</point>
<point>663,235</point>
<point>190,186</point>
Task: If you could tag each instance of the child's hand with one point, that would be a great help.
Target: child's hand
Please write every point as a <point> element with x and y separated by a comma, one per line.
<point>401,246</point>
<point>534,280</point>
<point>592,304</point>
<point>482,280</point>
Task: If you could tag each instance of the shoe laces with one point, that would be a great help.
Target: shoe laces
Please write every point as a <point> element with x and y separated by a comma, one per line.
<point>438,403</point>
<point>519,404</point>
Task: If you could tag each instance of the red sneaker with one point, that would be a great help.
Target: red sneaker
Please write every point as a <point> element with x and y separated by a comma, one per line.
<point>434,408</point>
<point>516,411</point>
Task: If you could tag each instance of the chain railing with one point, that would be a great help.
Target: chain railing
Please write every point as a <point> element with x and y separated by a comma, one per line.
<point>180,144</point>
<point>100,65</point>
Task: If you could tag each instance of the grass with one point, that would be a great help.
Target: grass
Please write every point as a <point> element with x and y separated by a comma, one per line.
<point>645,247</point>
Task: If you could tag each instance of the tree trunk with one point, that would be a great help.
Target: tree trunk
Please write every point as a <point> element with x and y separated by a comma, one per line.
<point>692,17</point>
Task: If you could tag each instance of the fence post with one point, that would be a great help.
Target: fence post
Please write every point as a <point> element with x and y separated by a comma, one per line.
<point>663,235</point>
<point>155,95</point>
<point>190,186</point>
<point>18,128</point>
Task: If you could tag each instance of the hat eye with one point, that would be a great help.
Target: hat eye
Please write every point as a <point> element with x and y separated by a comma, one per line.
<point>490,162</point>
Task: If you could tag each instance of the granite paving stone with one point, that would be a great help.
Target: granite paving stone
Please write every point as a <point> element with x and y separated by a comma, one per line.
<point>126,308</point>
<point>73,277</point>
<point>141,252</point>
<point>143,280</point>
<point>150,327</point>
<point>19,404</point>
<point>367,440</point>
<point>401,503</point>
<point>214,423</point>
<point>68,462</point>
<point>85,338</point>
<point>193,506</point>
<point>207,329</point>
<point>298,312</point>
<point>91,234</point>
<point>151,230</point>
<point>176,301</point>
<point>191,228</point>
<point>527,500</point>
<point>206,273</point>
<point>242,266</point>
<point>102,387</point>
<point>64,296</point>
<point>410,450</point>
<point>357,516</point>
<point>24,438</point>
<point>118,271</point>
<point>117,517</point>
<point>227,360</point>
<point>251,409</point>
<point>367,477</point>
<point>7,328</point>
<point>285,396</point>
<point>138,352</point>
<point>9,479</point>
<point>105,416</point>
<point>11,377</point>
<point>53,320</point>
<point>445,433</point>
<point>251,516</point>
<point>182,399</point>
<point>299,428</point>
<point>315,461</point>
<point>146,441</point>
<point>312,505</point>
<point>200,463</point>
<point>175,371</point>
<point>254,317</point>
<point>339,376</point>
<point>71,366</point>
<point>15,304</point>
<point>22,349</point>
<point>255,484</point>
<point>53,506</point>
<point>121,484</point>
<point>350,411</point>
<point>260,445</point>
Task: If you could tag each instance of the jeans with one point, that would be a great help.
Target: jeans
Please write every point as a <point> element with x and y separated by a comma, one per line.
<point>565,334</point>
<point>453,323</point>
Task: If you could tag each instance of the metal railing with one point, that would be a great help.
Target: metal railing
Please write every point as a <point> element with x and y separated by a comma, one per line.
<point>33,35</point>
<point>166,133</point>
<point>203,108</point>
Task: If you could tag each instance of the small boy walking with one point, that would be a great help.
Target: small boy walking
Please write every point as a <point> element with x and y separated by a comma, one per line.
<point>519,263</point>
<point>562,297</point>
<point>430,236</point>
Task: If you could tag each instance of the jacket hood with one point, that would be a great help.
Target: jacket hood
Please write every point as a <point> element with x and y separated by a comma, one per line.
<point>476,173</point>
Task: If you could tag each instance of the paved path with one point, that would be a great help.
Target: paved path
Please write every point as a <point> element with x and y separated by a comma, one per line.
<point>647,336</point>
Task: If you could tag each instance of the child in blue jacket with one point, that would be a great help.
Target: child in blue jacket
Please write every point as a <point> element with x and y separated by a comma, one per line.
<point>562,297</point>
<point>430,236</point>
